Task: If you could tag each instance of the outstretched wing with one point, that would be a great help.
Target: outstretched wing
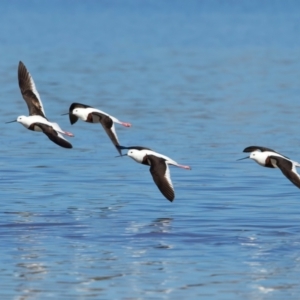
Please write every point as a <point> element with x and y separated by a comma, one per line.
<point>287,168</point>
<point>161,176</point>
<point>133,147</point>
<point>29,92</point>
<point>262,149</point>
<point>109,127</point>
<point>54,136</point>
<point>72,117</point>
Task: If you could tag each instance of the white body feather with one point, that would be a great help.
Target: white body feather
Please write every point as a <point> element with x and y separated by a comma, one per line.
<point>138,156</point>
<point>82,113</point>
<point>28,121</point>
<point>260,157</point>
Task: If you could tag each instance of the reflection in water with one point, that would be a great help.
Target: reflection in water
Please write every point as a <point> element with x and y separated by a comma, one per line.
<point>161,225</point>
<point>157,226</point>
<point>30,267</point>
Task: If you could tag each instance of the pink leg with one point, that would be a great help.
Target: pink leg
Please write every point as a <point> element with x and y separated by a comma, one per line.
<point>68,133</point>
<point>125,124</point>
<point>184,167</point>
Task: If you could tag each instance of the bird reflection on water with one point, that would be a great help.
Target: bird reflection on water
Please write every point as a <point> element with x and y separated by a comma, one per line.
<point>161,225</point>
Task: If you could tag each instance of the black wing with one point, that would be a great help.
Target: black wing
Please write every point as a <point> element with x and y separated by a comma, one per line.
<point>72,117</point>
<point>262,149</point>
<point>287,169</point>
<point>161,176</point>
<point>108,125</point>
<point>53,135</point>
<point>134,147</point>
<point>29,92</point>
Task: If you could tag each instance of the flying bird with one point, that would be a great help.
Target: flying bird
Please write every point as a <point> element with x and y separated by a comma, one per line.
<point>37,120</point>
<point>92,115</point>
<point>269,158</point>
<point>159,167</point>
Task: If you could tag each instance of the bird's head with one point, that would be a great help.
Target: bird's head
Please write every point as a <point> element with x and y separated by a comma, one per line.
<point>257,156</point>
<point>137,155</point>
<point>76,113</point>
<point>24,121</point>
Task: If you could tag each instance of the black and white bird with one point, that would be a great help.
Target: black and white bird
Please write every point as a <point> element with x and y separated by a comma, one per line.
<point>159,167</point>
<point>271,159</point>
<point>92,115</point>
<point>37,120</point>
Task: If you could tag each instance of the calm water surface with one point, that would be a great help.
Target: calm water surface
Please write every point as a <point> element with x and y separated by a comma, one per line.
<point>199,82</point>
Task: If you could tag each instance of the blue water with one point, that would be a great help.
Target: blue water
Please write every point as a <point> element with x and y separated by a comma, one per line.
<point>199,81</point>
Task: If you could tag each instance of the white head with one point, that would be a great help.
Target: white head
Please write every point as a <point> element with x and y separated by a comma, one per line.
<point>24,121</point>
<point>80,113</point>
<point>137,155</point>
<point>259,157</point>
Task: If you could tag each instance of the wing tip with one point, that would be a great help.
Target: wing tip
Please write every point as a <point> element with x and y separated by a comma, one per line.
<point>119,147</point>
<point>21,67</point>
<point>63,143</point>
<point>67,145</point>
<point>171,199</point>
<point>73,118</point>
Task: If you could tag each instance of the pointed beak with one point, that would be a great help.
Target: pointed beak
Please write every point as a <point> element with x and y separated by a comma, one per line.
<point>243,158</point>
<point>65,114</point>
<point>121,155</point>
<point>11,121</point>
